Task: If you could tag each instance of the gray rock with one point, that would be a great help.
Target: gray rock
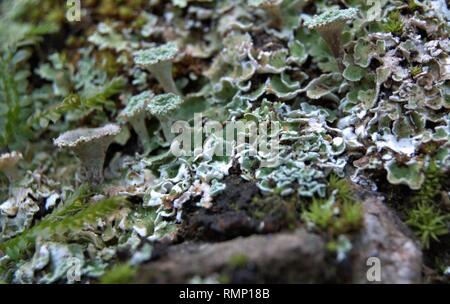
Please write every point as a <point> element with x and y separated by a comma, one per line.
<point>284,257</point>
<point>299,256</point>
<point>386,238</point>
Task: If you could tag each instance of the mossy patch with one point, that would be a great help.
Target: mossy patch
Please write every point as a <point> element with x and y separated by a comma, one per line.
<point>238,261</point>
<point>119,274</point>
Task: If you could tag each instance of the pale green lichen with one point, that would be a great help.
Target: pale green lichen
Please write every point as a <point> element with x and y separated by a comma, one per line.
<point>163,107</point>
<point>158,61</point>
<point>332,18</point>
<point>166,52</point>
<point>409,174</point>
<point>135,113</point>
<point>378,113</point>
<point>90,146</point>
<point>330,25</point>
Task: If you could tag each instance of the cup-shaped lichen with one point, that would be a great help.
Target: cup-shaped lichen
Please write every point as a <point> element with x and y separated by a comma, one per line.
<point>135,113</point>
<point>330,25</point>
<point>90,145</point>
<point>158,61</point>
<point>163,107</point>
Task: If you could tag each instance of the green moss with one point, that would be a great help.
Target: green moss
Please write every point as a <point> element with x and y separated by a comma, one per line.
<point>394,23</point>
<point>274,206</point>
<point>238,261</point>
<point>343,187</point>
<point>70,218</point>
<point>413,6</point>
<point>319,213</point>
<point>351,217</point>
<point>425,218</point>
<point>119,274</point>
<point>224,279</point>
<point>351,213</point>
<point>14,99</point>
<point>416,70</point>
<point>428,222</point>
<point>275,211</point>
<point>126,12</point>
<point>341,216</point>
<point>431,187</point>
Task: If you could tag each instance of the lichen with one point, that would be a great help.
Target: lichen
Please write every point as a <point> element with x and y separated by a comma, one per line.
<point>349,93</point>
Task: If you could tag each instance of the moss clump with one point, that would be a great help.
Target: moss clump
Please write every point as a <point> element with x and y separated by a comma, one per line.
<point>119,274</point>
<point>319,213</point>
<point>413,6</point>
<point>431,187</point>
<point>426,219</point>
<point>339,215</point>
<point>428,222</point>
<point>394,23</point>
<point>224,279</point>
<point>238,261</point>
<point>351,217</point>
<point>343,188</point>
<point>70,219</point>
<point>416,70</point>
<point>335,218</point>
<point>275,209</point>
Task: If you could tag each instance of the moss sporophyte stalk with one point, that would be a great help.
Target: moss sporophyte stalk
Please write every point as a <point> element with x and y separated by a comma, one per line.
<point>135,133</point>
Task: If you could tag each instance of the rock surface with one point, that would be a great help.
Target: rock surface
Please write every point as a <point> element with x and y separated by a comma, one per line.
<point>299,256</point>
<point>385,237</point>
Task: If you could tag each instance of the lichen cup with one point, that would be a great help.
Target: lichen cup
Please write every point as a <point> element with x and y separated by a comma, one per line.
<point>135,113</point>
<point>90,146</point>
<point>330,25</point>
<point>158,61</point>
